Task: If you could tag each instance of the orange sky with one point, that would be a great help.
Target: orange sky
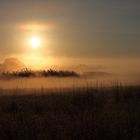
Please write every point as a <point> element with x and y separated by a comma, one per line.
<point>91,32</point>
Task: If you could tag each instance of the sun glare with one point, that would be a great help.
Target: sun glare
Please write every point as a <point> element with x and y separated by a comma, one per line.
<point>35,42</point>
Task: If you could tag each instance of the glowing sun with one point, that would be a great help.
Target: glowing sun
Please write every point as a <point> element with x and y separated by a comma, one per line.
<point>35,42</point>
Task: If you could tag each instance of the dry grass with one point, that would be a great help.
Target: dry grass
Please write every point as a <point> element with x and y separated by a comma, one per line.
<point>70,114</point>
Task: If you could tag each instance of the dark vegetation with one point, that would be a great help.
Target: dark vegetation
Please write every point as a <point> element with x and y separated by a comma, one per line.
<point>59,73</point>
<point>42,73</point>
<point>70,114</point>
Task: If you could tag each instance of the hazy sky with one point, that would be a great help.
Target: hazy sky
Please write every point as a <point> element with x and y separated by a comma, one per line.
<point>71,28</point>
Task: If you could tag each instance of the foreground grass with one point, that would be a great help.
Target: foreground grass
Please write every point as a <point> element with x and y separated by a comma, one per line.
<point>80,114</point>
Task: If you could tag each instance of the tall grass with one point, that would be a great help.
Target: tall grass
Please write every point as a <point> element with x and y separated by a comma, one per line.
<point>70,114</point>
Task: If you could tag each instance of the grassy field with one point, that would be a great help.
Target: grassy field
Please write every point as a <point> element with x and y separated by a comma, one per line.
<point>70,114</point>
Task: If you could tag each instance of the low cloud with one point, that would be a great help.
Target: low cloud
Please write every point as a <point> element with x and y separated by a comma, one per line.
<point>11,64</point>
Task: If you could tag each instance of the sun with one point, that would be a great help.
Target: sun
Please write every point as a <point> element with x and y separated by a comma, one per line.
<point>35,42</point>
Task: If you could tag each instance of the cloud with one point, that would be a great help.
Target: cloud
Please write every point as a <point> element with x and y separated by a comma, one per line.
<point>11,64</point>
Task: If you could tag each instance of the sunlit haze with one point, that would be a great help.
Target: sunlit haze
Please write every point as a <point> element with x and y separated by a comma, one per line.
<point>47,33</point>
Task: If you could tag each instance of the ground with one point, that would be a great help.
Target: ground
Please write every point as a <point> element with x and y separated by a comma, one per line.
<point>72,114</point>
